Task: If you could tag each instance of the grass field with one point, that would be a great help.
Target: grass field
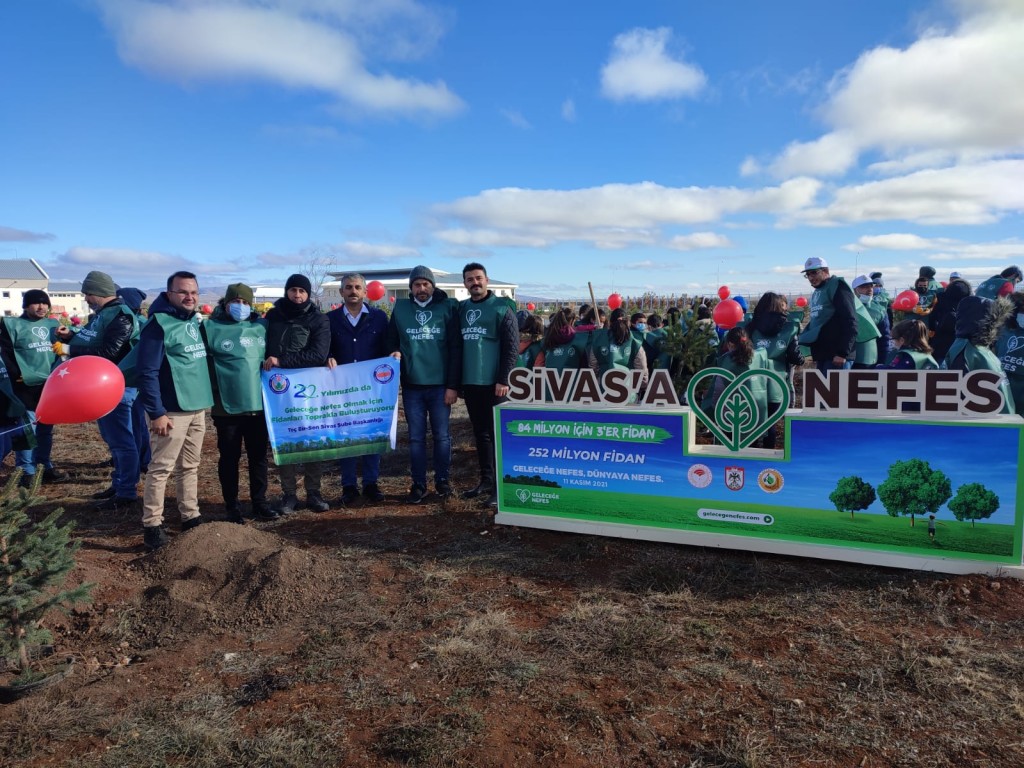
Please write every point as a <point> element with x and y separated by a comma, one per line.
<point>341,452</point>
<point>983,541</point>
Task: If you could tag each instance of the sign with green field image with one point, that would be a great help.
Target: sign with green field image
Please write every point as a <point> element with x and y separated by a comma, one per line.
<point>947,489</point>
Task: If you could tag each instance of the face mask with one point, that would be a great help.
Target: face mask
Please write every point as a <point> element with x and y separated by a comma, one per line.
<point>864,299</point>
<point>1020,320</point>
<point>641,326</point>
<point>876,291</point>
<point>239,312</point>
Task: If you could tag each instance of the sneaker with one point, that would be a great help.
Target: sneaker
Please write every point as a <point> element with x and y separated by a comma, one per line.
<point>484,488</point>
<point>109,493</point>
<point>416,494</point>
<point>262,511</point>
<point>192,522</point>
<point>372,492</point>
<point>288,505</point>
<point>115,504</point>
<point>235,514</point>
<point>444,489</point>
<point>349,493</point>
<point>54,475</point>
<point>316,503</point>
<point>154,537</point>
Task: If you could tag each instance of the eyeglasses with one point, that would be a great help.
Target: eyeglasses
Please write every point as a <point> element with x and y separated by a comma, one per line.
<point>186,293</point>
<point>811,272</point>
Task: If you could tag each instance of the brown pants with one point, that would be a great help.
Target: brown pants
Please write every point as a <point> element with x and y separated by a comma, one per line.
<point>178,452</point>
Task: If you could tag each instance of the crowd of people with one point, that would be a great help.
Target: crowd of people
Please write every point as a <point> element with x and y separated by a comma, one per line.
<point>179,365</point>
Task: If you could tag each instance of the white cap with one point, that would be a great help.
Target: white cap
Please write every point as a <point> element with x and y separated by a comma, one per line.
<point>860,280</point>
<point>814,263</point>
<point>954,275</point>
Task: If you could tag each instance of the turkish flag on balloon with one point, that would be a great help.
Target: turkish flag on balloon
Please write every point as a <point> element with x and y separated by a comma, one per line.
<point>80,389</point>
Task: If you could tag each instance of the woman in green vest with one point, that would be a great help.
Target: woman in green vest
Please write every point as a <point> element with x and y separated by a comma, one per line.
<point>773,331</point>
<point>1010,349</point>
<point>562,348</point>
<point>236,343</point>
<point>616,348</point>
<point>978,322</point>
<point>910,337</point>
<point>531,338</point>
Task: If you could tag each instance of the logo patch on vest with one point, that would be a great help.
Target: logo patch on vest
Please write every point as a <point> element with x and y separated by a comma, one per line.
<point>227,345</point>
<point>40,332</point>
<point>473,315</point>
<point>423,317</point>
<point>193,331</point>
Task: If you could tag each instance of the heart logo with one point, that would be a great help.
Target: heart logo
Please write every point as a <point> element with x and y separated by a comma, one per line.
<point>473,315</point>
<point>737,420</point>
<point>523,494</point>
<point>423,317</point>
<point>41,332</point>
<point>192,330</point>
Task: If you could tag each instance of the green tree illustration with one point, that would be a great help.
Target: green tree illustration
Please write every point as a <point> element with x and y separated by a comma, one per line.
<point>914,488</point>
<point>851,494</point>
<point>973,501</point>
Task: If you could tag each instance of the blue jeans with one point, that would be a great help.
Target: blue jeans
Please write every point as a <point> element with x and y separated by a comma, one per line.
<point>419,403</point>
<point>140,431</point>
<point>349,467</point>
<point>116,431</point>
<point>28,460</point>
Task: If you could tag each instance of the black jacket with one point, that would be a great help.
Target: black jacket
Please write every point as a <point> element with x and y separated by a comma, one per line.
<point>298,335</point>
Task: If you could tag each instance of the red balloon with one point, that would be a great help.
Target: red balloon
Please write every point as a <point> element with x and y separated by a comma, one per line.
<point>80,389</point>
<point>614,301</point>
<point>801,301</point>
<point>727,314</point>
<point>531,306</point>
<point>391,299</point>
<point>206,309</point>
<point>723,293</point>
<point>905,300</point>
<point>375,290</point>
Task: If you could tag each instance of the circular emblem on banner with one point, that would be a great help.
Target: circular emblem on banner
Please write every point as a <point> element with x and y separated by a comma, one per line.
<point>279,383</point>
<point>699,475</point>
<point>770,480</point>
<point>383,373</point>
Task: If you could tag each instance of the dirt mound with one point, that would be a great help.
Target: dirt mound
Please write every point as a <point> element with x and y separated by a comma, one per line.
<point>226,575</point>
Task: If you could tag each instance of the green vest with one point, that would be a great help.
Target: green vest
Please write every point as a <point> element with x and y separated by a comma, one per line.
<point>186,354</point>
<point>991,287</point>
<point>526,358</point>
<point>92,334</point>
<point>237,351</point>
<point>755,384</point>
<point>1010,351</point>
<point>922,360</point>
<point>821,309</point>
<point>610,355</point>
<point>982,359</point>
<point>774,350</point>
<point>423,340</point>
<point>866,349</point>
<point>656,341</point>
<point>567,356</point>
<point>480,325</point>
<point>33,347</point>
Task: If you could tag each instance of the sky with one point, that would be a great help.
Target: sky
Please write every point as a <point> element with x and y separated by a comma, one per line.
<point>658,146</point>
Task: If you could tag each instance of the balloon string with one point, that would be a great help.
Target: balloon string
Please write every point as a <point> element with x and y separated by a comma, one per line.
<point>18,428</point>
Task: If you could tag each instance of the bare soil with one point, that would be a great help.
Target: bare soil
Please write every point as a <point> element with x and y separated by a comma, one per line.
<point>426,635</point>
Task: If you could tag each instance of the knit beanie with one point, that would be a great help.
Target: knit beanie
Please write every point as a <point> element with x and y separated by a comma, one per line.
<point>132,297</point>
<point>239,291</point>
<point>928,272</point>
<point>298,281</point>
<point>421,273</point>
<point>35,296</point>
<point>99,284</point>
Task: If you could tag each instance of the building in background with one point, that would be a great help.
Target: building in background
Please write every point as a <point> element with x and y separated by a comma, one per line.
<point>20,275</point>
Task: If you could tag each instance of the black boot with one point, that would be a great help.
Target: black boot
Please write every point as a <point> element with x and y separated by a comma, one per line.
<point>484,488</point>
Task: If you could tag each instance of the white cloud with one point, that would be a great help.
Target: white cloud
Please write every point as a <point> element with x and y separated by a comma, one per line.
<point>516,118</point>
<point>943,248</point>
<point>640,68</point>
<point>699,240</point>
<point>291,43</point>
<point>129,266</point>
<point>967,194</point>
<point>953,94</point>
<point>12,235</point>
<point>569,111</point>
<point>892,242</point>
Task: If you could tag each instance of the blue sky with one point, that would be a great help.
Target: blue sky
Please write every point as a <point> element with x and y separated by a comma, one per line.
<point>656,146</point>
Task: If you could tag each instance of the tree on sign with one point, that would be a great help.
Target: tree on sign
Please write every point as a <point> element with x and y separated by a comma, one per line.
<point>973,501</point>
<point>914,488</point>
<point>852,494</point>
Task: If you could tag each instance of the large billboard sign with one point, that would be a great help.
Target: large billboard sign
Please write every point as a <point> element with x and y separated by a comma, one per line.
<point>914,472</point>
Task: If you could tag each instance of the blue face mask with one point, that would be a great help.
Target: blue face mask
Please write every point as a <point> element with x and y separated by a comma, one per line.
<point>1020,320</point>
<point>239,312</point>
<point>641,326</point>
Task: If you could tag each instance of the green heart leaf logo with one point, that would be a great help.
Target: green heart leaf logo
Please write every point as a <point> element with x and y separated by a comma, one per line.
<point>739,417</point>
<point>523,494</point>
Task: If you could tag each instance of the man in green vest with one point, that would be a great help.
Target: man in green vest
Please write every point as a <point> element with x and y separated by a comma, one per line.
<point>111,333</point>
<point>236,343</point>
<point>1002,284</point>
<point>490,345</point>
<point>424,334</point>
<point>873,332</point>
<point>831,333</point>
<point>174,384</point>
<point>27,346</point>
